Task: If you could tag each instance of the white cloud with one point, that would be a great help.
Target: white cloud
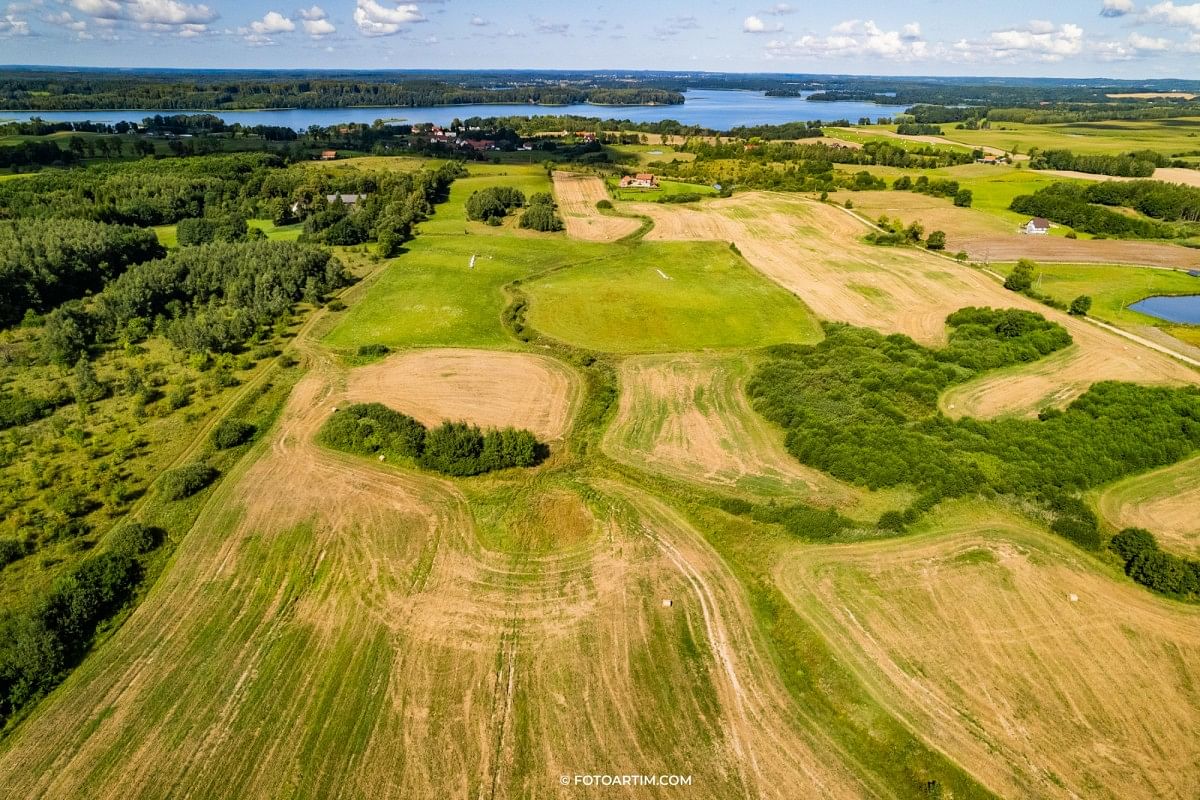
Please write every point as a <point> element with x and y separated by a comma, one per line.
<point>316,12</point>
<point>11,26</point>
<point>1116,8</point>
<point>1140,42</point>
<point>272,22</point>
<point>1039,40</point>
<point>1168,13</point>
<point>479,21</point>
<point>374,19</point>
<point>147,12</point>
<point>316,28</point>
<point>753,24</point>
<point>856,38</point>
<point>779,9</point>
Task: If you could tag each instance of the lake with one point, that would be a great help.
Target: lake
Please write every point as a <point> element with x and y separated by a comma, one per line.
<point>1180,308</point>
<point>709,108</point>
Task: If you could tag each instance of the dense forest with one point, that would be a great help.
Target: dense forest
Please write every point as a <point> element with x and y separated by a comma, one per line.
<point>864,407</point>
<point>1127,165</point>
<point>78,91</point>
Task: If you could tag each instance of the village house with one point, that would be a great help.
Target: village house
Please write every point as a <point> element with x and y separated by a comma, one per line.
<point>328,155</point>
<point>642,180</point>
<point>1038,226</point>
<point>348,200</point>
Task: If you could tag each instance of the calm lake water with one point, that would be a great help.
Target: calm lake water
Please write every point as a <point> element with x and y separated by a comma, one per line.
<point>719,110</point>
<point>1184,308</point>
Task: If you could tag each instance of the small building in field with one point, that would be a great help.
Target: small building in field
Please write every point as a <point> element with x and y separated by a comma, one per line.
<point>328,155</point>
<point>642,180</point>
<point>1038,226</point>
<point>349,200</point>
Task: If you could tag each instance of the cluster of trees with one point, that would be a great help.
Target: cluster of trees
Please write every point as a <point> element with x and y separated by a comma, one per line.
<point>1068,204</point>
<point>540,215</point>
<point>938,187</point>
<point>1170,202</point>
<point>918,129</point>
<point>46,262</point>
<point>41,642</point>
<point>492,204</point>
<point>788,130</point>
<point>208,298</point>
<point>452,448</point>
<point>863,407</point>
<point>1156,569</point>
<point>878,153</point>
<point>31,153</point>
<point>894,233</point>
<point>1127,165</point>
<point>185,481</point>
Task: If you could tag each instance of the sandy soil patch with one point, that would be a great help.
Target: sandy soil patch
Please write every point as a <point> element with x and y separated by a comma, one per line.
<point>1014,656</point>
<point>486,388</point>
<point>1165,501</point>
<point>577,196</point>
<point>814,250</point>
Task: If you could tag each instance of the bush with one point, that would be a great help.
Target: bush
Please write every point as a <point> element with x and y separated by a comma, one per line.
<point>134,539</point>
<point>185,481</point>
<point>936,240</point>
<point>493,202</point>
<point>232,432</point>
<point>373,350</point>
<point>1021,278</point>
<point>541,217</point>
<point>604,205</point>
<point>963,198</point>
<point>1163,573</point>
<point>370,428</point>
<point>12,550</point>
<point>1081,305</point>
<point>1132,542</point>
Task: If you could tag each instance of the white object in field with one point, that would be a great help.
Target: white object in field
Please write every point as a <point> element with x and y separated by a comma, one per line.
<point>472,264</point>
<point>381,458</point>
<point>668,603</point>
<point>1074,598</point>
<point>664,275</point>
<point>335,409</point>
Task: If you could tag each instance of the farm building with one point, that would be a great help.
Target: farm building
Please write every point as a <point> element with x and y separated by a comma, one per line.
<point>643,180</point>
<point>350,200</point>
<point>1038,226</point>
<point>328,155</point>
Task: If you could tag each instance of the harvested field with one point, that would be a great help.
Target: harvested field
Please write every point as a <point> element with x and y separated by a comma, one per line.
<point>486,388</point>
<point>1164,501</point>
<point>334,627</point>
<point>687,416</point>
<point>1012,653</point>
<point>1013,246</point>
<point>814,250</point>
<point>1188,177</point>
<point>577,196</point>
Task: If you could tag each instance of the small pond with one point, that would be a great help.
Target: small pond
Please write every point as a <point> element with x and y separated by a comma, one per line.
<point>1182,308</point>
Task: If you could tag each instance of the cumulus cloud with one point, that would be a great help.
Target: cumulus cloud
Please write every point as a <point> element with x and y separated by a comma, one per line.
<point>161,15</point>
<point>1116,8</point>
<point>315,22</point>
<point>857,38</point>
<point>1040,40</point>
<point>12,26</point>
<point>1168,13</point>
<point>1140,42</point>
<point>754,24</point>
<point>272,22</point>
<point>375,19</point>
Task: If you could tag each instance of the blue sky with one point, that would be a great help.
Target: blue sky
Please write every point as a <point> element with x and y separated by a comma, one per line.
<point>1117,38</point>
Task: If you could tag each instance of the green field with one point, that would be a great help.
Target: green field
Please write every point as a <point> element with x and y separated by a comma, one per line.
<point>1169,136</point>
<point>1112,288</point>
<point>665,188</point>
<point>668,296</point>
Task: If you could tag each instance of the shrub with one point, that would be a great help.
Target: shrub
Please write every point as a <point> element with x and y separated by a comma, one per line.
<point>936,240</point>
<point>1132,542</point>
<point>1081,305</point>
<point>541,217</point>
<point>604,205</point>
<point>134,538</point>
<point>232,432</point>
<point>1021,278</point>
<point>185,481</point>
<point>12,550</point>
<point>1163,572</point>
<point>963,198</point>
<point>373,350</point>
<point>370,428</point>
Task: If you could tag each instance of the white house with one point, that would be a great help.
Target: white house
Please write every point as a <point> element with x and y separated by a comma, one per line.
<point>1038,226</point>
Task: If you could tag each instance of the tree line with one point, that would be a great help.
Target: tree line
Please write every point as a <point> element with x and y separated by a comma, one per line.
<point>1067,204</point>
<point>864,407</point>
<point>1126,165</point>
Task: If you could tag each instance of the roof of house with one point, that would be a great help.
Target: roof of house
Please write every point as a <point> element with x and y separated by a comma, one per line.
<point>347,199</point>
<point>645,176</point>
<point>1039,222</point>
<point>330,153</point>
